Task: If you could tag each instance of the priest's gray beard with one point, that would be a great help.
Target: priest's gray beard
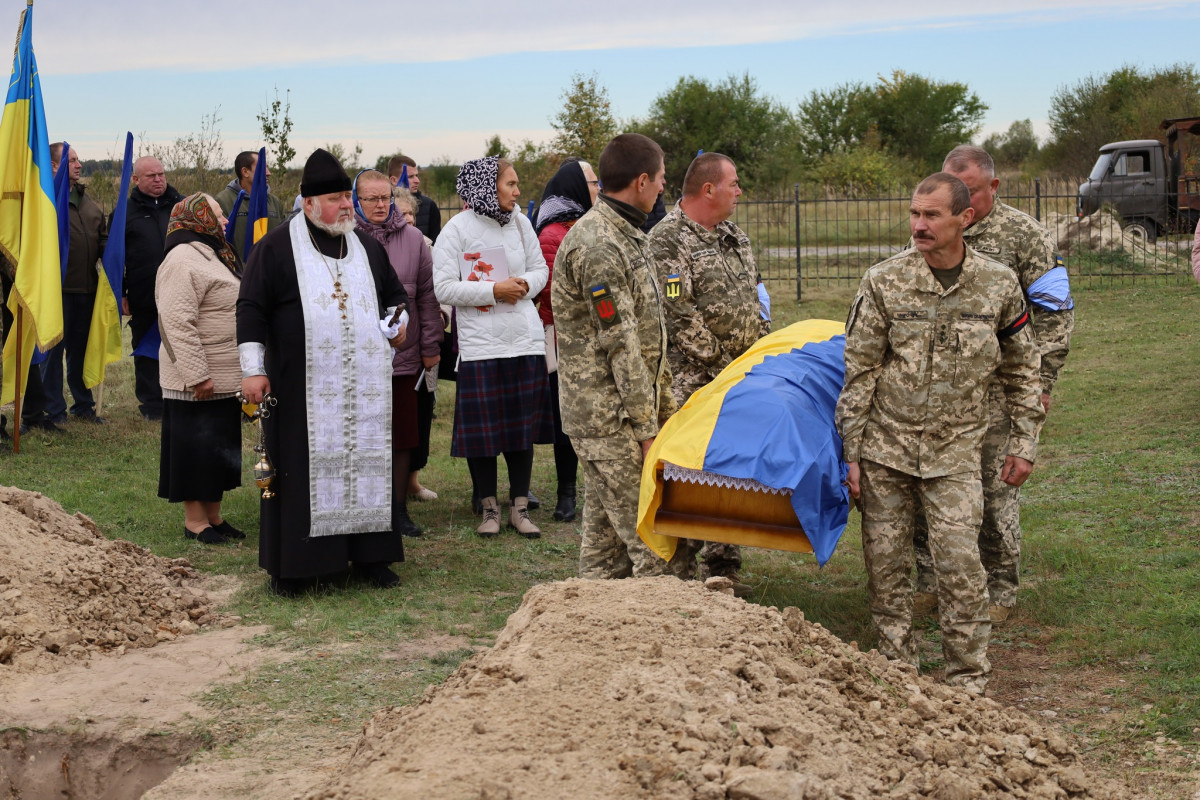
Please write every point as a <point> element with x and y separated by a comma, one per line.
<point>339,228</point>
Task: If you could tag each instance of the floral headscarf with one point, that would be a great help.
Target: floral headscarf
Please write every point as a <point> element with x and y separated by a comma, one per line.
<point>476,185</point>
<point>193,220</point>
<point>566,197</point>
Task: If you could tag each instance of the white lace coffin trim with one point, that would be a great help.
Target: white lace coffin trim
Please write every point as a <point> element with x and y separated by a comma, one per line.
<point>673,472</point>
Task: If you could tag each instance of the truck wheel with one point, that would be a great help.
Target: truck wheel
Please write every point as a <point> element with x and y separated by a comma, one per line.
<point>1143,229</point>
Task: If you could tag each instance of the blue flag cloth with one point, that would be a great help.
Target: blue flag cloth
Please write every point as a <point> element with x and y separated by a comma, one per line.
<point>62,205</point>
<point>148,346</point>
<point>1052,291</point>
<point>403,179</point>
<point>114,252</point>
<point>256,216</point>
<point>233,214</point>
<point>529,212</point>
<point>104,335</point>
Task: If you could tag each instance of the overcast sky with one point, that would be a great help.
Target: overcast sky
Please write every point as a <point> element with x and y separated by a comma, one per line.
<point>437,79</point>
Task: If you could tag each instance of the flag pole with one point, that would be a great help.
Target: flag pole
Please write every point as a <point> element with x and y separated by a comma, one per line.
<point>19,386</point>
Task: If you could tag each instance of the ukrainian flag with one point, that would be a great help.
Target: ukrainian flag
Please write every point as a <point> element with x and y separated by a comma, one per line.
<point>28,220</point>
<point>104,336</point>
<point>764,427</point>
<point>256,214</point>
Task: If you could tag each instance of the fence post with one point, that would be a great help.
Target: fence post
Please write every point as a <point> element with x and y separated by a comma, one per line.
<point>1037,199</point>
<point>796,205</point>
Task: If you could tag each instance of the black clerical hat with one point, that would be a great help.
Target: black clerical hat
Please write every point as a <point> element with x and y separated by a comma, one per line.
<point>323,174</point>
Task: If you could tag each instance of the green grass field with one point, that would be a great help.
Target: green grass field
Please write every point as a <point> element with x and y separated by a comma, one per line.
<point>1111,573</point>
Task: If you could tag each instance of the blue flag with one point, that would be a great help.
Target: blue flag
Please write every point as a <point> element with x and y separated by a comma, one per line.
<point>402,181</point>
<point>62,205</point>
<point>104,335</point>
<point>256,216</point>
<point>233,215</point>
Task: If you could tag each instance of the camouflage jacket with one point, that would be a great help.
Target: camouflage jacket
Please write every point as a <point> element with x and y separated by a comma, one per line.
<point>711,286</point>
<point>614,381</point>
<point>1018,241</point>
<point>919,359</point>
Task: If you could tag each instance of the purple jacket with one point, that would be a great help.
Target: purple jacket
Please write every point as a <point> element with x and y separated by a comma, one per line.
<point>413,263</point>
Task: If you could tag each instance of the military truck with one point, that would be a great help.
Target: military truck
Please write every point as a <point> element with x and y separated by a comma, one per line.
<point>1154,188</point>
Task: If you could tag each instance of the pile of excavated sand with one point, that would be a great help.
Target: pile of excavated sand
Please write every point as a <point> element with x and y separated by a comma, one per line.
<point>655,688</point>
<point>66,591</point>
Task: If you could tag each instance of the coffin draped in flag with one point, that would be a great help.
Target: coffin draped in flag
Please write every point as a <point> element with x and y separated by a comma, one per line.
<point>754,458</point>
<point>28,221</point>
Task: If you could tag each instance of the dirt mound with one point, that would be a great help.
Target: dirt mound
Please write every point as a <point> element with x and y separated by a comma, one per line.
<point>66,591</point>
<point>655,688</point>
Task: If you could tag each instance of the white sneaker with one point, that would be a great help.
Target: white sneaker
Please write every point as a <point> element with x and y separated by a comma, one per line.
<point>424,495</point>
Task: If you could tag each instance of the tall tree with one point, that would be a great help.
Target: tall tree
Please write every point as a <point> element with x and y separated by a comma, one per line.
<point>910,116</point>
<point>495,147</point>
<point>1014,147</point>
<point>276,121</point>
<point>730,117</point>
<point>1125,104</point>
<point>585,123</point>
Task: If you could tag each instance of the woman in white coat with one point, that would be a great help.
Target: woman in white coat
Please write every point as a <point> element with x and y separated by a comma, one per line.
<point>488,264</point>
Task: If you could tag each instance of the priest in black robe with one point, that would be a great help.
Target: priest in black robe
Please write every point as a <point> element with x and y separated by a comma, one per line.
<point>316,328</point>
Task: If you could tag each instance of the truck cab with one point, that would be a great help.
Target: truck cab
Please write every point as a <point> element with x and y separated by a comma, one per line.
<point>1153,186</point>
<point>1131,177</point>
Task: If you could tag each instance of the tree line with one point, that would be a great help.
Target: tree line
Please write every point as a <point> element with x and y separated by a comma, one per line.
<point>854,138</point>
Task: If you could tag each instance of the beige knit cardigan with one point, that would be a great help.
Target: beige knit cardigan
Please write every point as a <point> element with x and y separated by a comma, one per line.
<point>197,301</point>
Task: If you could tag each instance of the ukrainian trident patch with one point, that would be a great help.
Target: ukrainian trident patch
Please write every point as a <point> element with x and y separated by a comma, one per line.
<point>606,308</point>
<point>674,286</point>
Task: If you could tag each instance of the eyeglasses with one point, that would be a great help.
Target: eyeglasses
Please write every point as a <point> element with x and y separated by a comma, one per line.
<point>382,198</point>
<point>594,183</point>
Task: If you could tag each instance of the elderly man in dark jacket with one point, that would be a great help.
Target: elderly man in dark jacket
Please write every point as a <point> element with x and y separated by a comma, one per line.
<point>89,234</point>
<point>149,210</point>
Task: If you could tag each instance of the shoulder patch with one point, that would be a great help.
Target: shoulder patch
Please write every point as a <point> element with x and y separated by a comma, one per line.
<point>1020,322</point>
<point>674,286</point>
<point>606,309</point>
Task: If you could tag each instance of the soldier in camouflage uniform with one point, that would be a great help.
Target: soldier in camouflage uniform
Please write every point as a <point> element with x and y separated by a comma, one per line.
<point>706,268</point>
<point>1018,241</point>
<point>614,380</point>
<point>928,332</point>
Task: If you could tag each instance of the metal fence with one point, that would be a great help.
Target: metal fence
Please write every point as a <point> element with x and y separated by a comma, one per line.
<point>816,239</point>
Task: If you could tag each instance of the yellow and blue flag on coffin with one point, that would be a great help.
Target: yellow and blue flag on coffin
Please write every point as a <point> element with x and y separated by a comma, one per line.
<point>768,418</point>
<point>256,216</point>
<point>28,221</point>
<point>104,336</point>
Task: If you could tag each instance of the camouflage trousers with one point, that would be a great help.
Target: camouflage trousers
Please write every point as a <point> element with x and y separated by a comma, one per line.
<point>610,546</point>
<point>953,506</point>
<point>1000,533</point>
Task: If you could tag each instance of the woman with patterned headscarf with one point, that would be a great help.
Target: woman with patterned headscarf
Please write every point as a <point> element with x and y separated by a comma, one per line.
<point>487,263</point>
<point>567,197</point>
<point>196,291</point>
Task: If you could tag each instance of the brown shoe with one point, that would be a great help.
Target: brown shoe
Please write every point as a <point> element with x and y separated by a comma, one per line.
<point>518,518</point>
<point>924,603</point>
<point>491,518</point>
<point>999,614</point>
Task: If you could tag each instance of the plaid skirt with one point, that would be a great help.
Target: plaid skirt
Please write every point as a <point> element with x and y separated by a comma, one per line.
<point>502,406</point>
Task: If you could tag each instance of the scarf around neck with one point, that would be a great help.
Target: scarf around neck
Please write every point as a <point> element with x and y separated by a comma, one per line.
<point>565,198</point>
<point>193,220</point>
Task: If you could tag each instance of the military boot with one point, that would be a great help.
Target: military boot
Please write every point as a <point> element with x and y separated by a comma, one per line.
<point>518,518</point>
<point>924,604</point>
<point>564,511</point>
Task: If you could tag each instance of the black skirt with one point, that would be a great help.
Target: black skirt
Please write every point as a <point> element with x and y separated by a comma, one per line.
<point>201,455</point>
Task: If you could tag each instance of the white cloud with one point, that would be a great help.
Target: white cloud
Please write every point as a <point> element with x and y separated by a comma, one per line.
<point>73,37</point>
